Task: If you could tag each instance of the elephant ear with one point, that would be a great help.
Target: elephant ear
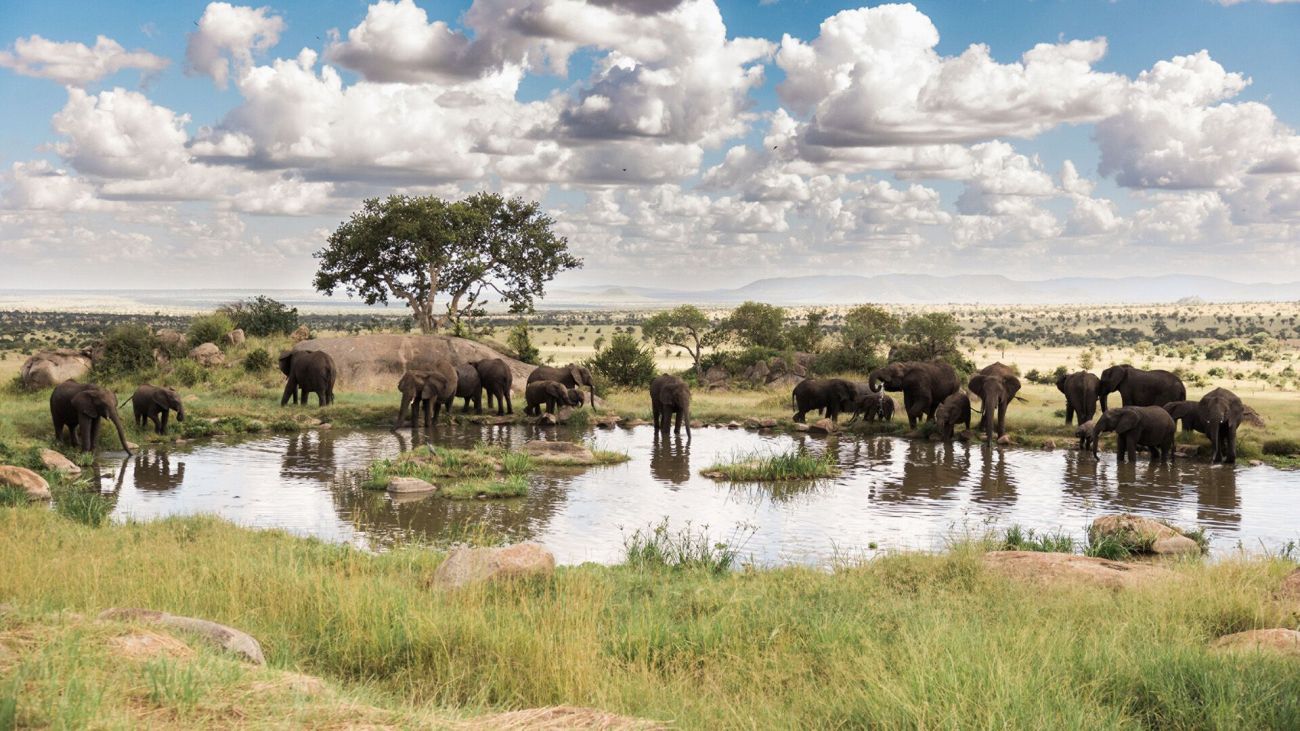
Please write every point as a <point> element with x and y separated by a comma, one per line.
<point>977,386</point>
<point>84,403</point>
<point>576,374</point>
<point>1060,382</point>
<point>1128,421</point>
<point>286,358</point>
<point>163,399</point>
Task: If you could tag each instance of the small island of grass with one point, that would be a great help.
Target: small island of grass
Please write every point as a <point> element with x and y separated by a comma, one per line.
<point>795,464</point>
<point>483,471</point>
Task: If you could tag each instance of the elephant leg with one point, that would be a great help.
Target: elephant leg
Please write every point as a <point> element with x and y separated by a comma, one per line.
<point>94,433</point>
<point>799,415</point>
<point>1231,457</point>
<point>677,428</point>
<point>1069,413</point>
<point>654,414</point>
<point>290,389</point>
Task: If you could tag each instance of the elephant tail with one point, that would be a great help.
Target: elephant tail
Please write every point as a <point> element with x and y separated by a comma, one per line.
<point>1022,399</point>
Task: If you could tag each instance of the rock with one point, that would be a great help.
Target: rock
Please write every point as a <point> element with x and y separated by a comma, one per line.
<point>1049,445</point>
<point>35,485</point>
<point>1282,641</point>
<point>1044,567</point>
<point>716,377</point>
<point>208,355</point>
<point>697,424</point>
<point>132,446</point>
<point>757,373</point>
<point>325,426</point>
<point>407,485</point>
<point>57,462</point>
<point>301,334</point>
<point>1290,588</point>
<point>235,337</point>
<point>1256,463</point>
<point>547,420</point>
<point>377,362</point>
<point>768,423</point>
<point>751,423</point>
<point>733,424</point>
<point>226,638</point>
<point>800,426</point>
<point>555,718</point>
<point>1005,440</point>
<point>171,340</point>
<point>1176,546</point>
<point>48,368</point>
<point>473,565</point>
<point>823,426</point>
<point>1139,534</point>
<point>543,452</point>
<point>635,422</point>
<point>786,382</point>
<point>145,645</point>
<point>608,421</point>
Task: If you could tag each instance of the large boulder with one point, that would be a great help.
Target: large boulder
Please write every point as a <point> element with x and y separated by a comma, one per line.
<point>235,337</point>
<point>409,485</point>
<point>21,477</point>
<point>1280,641</point>
<point>58,463</point>
<point>473,565</point>
<point>377,362</point>
<point>1045,567</point>
<point>51,367</point>
<point>1142,535</point>
<point>227,638</point>
<point>300,334</point>
<point>208,355</point>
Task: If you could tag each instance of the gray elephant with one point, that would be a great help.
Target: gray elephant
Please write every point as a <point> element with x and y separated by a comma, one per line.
<point>575,397</point>
<point>1220,412</point>
<point>309,371</point>
<point>437,392</point>
<point>836,395</point>
<point>1186,414</point>
<point>995,386</point>
<point>924,385</point>
<point>953,411</point>
<point>1137,426</point>
<point>1081,395</point>
<point>866,403</point>
<point>886,407</point>
<point>550,393</point>
<point>79,407</point>
<point>151,403</point>
<point>1140,388</point>
<point>411,386</point>
<point>571,375</point>
<point>496,378</point>
<point>1087,443</point>
<point>669,397</point>
<point>469,387</point>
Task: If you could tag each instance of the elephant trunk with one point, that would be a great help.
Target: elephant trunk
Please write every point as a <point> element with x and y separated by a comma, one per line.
<point>592,387</point>
<point>121,435</point>
<point>180,411</point>
<point>871,383</point>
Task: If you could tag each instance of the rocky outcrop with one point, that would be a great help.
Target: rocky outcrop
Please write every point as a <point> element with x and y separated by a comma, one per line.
<point>1280,641</point>
<point>377,362</point>
<point>410,485</point>
<point>145,645</point>
<point>467,566</point>
<point>1043,567</point>
<point>235,337</point>
<point>208,355</point>
<point>1142,535</point>
<point>56,462</point>
<point>51,367</point>
<point>543,452</point>
<point>226,638</point>
<point>716,377</point>
<point>21,477</point>
<point>300,334</point>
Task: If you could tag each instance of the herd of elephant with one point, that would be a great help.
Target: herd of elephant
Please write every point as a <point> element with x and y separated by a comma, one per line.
<point>1152,402</point>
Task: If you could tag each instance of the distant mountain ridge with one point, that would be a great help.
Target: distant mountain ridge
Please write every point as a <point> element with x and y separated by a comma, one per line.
<point>919,289</point>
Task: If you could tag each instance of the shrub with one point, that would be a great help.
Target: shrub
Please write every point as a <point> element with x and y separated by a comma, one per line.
<point>845,359</point>
<point>87,508</point>
<point>522,344</point>
<point>262,316</point>
<point>187,373</point>
<point>127,349</point>
<point>209,328</point>
<point>658,548</point>
<point>1282,447</point>
<point>258,361</point>
<point>624,362</point>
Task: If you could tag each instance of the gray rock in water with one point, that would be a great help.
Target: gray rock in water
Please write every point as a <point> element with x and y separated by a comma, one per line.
<point>543,452</point>
<point>226,638</point>
<point>823,425</point>
<point>467,566</point>
<point>407,485</point>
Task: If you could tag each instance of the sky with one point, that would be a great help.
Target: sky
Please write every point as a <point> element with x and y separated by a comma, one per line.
<point>676,143</point>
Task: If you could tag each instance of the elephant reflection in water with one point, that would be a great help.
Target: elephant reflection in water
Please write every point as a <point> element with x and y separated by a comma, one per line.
<point>1083,476</point>
<point>153,471</point>
<point>995,485</point>
<point>309,455</point>
<point>1145,487</point>
<point>670,458</point>
<point>930,472</point>
<point>112,482</point>
<point>1217,500</point>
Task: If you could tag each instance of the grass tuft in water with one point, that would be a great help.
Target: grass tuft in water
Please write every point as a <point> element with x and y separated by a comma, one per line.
<point>512,486</point>
<point>87,508</point>
<point>659,547</point>
<point>794,464</point>
<point>1016,538</point>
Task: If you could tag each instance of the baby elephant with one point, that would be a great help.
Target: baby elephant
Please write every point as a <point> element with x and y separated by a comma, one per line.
<point>152,403</point>
<point>1138,426</point>
<point>953,411</point>
<point>551,393</point>
<point>669,396</point>
<point>1087,443</point>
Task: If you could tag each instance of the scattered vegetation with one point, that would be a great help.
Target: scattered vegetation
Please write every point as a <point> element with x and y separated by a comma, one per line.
<point>794,464</point>
<point>209,328</point>
<point>659,547</point>
<point>624,362</point>
<point>262,316</point>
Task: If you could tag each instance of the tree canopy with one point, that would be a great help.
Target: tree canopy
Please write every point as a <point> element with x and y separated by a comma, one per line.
<point>414,248</point>
<point>756,325</point>
<point>685,327</point>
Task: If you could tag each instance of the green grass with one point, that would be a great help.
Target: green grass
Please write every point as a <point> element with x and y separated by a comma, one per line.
<point>483,471</point>
<point>794,464</point>
<point>77,503</point>
<point>1017,538</point>
<point>510,486</point>
<point>659,547</point>
<point>904,641</point>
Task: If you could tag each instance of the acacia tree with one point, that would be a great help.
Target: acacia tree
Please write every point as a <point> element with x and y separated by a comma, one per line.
<point>414,248</point>
<point>685,327</point>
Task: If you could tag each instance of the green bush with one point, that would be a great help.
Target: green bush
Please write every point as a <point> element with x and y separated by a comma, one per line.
<point>1282,447</point>
<point>522,344</point>
<point>258,361</point>
<point>262,316</point>
<point>128,349</point>
<point>624,362</point>
<point>844,360</point>
<point>209,328</point>
<point>187,373</point>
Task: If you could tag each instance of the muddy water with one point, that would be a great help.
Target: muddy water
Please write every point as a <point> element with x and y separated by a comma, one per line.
<point>893,493</point>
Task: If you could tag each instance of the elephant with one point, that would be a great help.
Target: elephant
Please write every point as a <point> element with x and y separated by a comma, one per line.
<point>1137,426</point>
<point>1087,443</point>
<point>1080,391</point>
<point>867,404</point>
<point>886,407</point>
<point>924,385</point>
<point>953,411</point>
<point>496,378</point>
<point>570,375</point>
<point>411,385</point>
<point>437,391</point>
<point>1187,414</point>
<point>575,397</point>
<point>79,407</point>
<point>309,371</point>
<point>1220,412</point>
<point>1140,388</point>
<point>151,403</point>
<point>833,394</point>
<point>669,397</point>
<point>995,386</point>
<point>469,387</point>
<point>550,393</point>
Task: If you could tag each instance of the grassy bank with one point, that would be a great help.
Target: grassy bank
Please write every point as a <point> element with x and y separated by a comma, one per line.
<point>904,641</point>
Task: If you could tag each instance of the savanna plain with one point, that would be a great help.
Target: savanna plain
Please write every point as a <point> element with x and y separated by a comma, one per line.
<point>684,632</point>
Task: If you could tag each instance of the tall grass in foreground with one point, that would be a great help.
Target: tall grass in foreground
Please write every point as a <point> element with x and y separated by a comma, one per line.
<point>903,641</point>
<point>793,464</point>
<point>658,546</point>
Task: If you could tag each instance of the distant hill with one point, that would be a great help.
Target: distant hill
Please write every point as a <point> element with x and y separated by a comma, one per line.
<point>929,289</point>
